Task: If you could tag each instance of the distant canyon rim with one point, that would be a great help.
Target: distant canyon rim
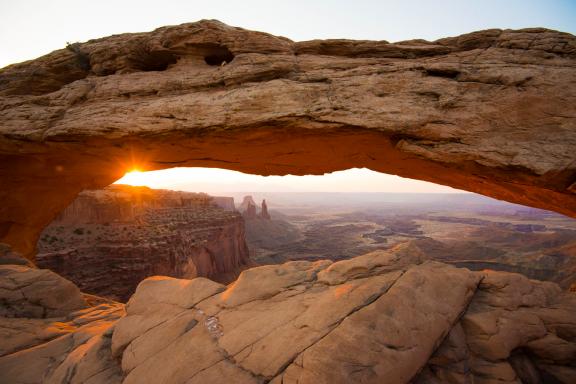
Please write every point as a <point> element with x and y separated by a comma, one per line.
<point>491,112</point>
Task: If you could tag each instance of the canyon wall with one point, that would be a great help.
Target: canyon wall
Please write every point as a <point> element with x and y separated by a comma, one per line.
<point>108,240</point>
<point>491,112</point>
<point>224,202</point>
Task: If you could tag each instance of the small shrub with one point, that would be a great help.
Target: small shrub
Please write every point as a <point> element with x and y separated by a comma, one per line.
<point>82,58</point>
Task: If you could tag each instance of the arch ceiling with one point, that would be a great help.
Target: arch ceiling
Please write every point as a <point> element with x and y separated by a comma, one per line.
<point>492,112</point>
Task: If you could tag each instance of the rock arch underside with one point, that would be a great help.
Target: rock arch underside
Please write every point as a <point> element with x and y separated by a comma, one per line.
<point>493,112</point>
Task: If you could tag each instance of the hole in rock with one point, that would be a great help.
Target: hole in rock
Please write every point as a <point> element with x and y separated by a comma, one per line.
<point>153,61</point>
<point>188,222</point>
<point>448,73</point>
<point>217,55</point>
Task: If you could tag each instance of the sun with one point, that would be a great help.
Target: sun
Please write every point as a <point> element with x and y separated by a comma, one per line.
<point>135,178</point>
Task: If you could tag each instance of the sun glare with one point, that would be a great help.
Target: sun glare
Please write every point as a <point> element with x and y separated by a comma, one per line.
<point>221,181</point>
<point>134,177</point>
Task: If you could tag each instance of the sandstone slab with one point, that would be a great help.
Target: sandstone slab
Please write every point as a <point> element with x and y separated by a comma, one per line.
<point>391,317</point>
<point>36,293</point>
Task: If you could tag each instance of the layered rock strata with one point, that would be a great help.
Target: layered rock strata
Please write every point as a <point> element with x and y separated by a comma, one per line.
<point>109,240</point>
<point>388,316</point>
<point>491,112</point>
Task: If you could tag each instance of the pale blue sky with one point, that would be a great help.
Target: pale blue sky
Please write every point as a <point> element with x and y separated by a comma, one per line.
<point>31,28</point>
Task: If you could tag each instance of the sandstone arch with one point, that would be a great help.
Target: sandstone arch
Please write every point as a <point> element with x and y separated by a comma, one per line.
<point>492,112</point>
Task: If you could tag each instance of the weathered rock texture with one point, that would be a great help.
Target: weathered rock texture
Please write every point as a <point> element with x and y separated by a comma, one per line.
<point>388,316</point>
<point>250,210</point>
<point>109,240</point>
<point>224,202</point>
<point>54,338</point>
<point>491,112</point>
<point>264,212</point>
<point>37,293</point>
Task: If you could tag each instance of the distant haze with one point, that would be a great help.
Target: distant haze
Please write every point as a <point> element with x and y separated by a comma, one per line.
<point>222,181</point>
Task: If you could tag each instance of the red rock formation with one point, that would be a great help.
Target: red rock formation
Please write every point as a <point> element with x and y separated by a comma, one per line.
<point>250,212</point>
<point>246,202</point>
<point>45,321</point>
<point>490,112</point>
<point>264,212</point>
<point>108,240</point>
<point>248,208</point>
<point>224,202</point>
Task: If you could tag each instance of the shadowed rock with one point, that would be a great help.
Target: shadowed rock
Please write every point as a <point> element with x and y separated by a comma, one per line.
<point>36,293</point>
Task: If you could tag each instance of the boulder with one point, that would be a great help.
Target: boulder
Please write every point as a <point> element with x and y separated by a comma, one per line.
<point>36,293</point>
<point>390,316</point>
<point>49,334</point>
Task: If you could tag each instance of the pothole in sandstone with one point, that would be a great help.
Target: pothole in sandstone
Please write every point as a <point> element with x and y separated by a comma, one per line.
<point>217,54</point>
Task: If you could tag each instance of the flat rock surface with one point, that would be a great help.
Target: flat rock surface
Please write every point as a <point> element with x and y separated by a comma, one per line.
<point>389,316</point>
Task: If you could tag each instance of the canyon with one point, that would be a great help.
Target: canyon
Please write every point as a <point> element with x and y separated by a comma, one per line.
<point>108,240</point>
<point>466,230</point>
<point>491,112</point>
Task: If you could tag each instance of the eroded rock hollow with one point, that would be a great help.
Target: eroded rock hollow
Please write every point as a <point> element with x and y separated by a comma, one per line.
<point>491,112</point>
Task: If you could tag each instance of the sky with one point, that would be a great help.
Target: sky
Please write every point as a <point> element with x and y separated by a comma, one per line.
<point>31,28</point>
<point>221,181</point>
